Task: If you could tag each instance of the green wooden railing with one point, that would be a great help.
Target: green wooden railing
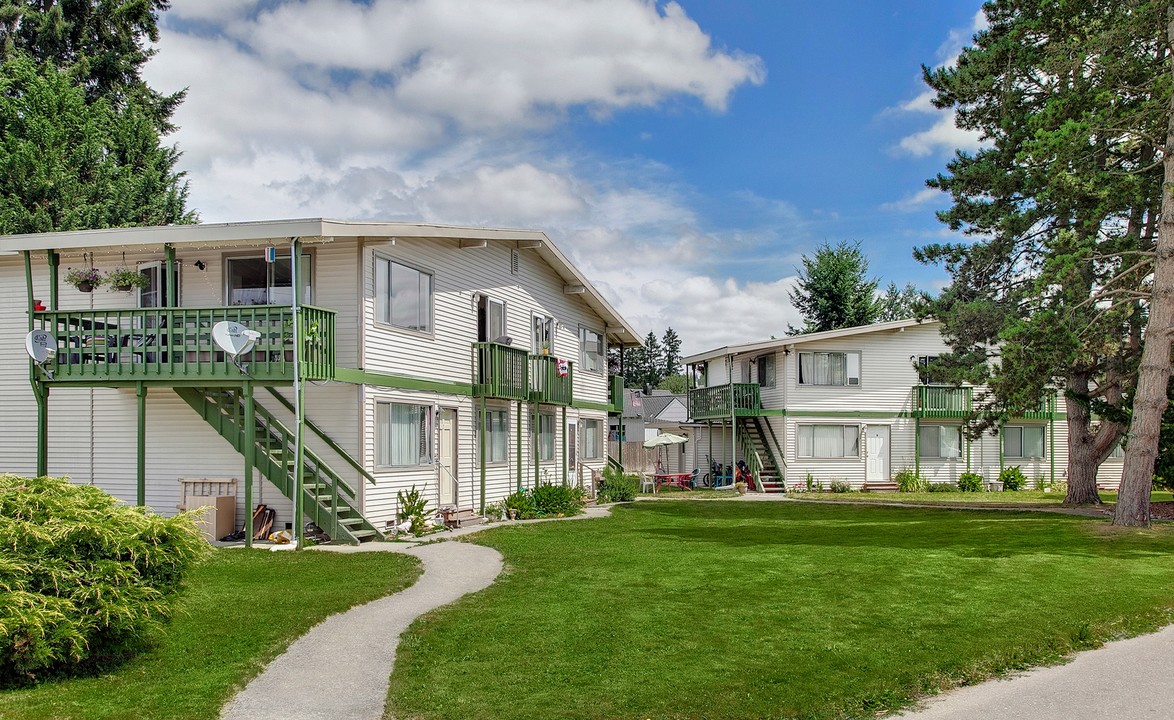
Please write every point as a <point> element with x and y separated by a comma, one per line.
<point>722,401</point>
<point>936,401</point>
<point>500,371</point>
<point>1043,411</point>
<point>615,394</point>
<point>547,386</point>
<point>176,344</point>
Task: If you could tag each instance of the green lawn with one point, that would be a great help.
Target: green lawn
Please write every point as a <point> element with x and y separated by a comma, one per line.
<point>1018,498</point>
<point>242,610</point>
<point>755,610</point>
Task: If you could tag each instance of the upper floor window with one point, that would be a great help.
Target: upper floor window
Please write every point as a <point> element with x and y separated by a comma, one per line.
<point>941,441</point>
<point>594,356</point>
<point>1023,442</point>
<point>252,281</point>
<point>765,370</point>
<point>403,434</point>
<point>829,368</point>
<point>923,364</point>
<point>829,441</point>
<point>543,335</point>
<point>403,296</point>
<point>490,319</point>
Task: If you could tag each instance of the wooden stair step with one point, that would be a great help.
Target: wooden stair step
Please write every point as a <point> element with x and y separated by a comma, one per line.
<point>881,487</point>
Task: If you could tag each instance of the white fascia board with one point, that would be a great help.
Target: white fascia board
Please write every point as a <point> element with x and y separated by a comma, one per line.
<point>894,326</point>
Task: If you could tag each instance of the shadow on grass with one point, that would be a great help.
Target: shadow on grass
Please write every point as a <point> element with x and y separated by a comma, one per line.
<point>966,533</point>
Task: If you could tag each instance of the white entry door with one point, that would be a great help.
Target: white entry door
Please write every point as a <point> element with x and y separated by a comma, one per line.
<point>877,462</point>
<point>446,456</point>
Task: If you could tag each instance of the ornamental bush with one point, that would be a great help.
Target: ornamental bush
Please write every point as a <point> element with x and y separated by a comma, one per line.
<point>617,487</point>
<point>1012,478</point>
<point>558,500</point>
<point>83,578</point>
<point>970,482</point>
<point>523,502</point>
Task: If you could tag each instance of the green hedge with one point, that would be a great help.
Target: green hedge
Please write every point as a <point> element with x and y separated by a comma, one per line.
<point>83,578</point>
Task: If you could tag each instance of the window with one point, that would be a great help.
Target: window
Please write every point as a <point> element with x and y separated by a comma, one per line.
<point>923,363</point>
<point>252,281</point>
<point>829,368</point>
<point>829,441</point>
<point>543,335</point>
<point>592,439</point>
<point>497,426</point>
<point>765,370</point>
<point>941,441</point>
<point>545,437</point>
<point>404,435</point>
<point>155,293</point>
<point>594,354</point>
<point>1023,442</point>
<point>490,319</point>
<point>403,296</point>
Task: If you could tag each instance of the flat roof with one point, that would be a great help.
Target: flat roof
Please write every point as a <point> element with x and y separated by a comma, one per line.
<point>322,230</point>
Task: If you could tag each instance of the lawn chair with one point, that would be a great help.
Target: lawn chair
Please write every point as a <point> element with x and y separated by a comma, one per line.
<point>647,482</point>
<point>693,479</point>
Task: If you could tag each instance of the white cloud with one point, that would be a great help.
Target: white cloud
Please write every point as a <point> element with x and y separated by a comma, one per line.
<point>916,201</point>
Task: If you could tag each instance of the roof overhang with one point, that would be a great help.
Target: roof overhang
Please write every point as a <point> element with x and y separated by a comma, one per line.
<point>786,342</point>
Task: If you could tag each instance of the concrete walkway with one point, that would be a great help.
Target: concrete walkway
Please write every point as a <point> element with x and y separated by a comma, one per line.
<point>1123,679</point>
<point>341,668</point>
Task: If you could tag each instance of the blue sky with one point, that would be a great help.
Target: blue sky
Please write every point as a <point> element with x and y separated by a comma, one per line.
<point>685,154</point>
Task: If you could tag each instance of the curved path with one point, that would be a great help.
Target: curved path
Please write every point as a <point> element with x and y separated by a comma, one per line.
<point>341,668</point>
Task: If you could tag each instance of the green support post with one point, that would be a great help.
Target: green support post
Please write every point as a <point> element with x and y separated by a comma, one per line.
<point>54,266</point>
<point>917,447</point>
<point>141,451</point>
<point>1052,443</point>
<point>1000,447</point>
<point>249,445</point>
<point>481,439</point>
<point>535,439</point>
<point>299,390</point>
<point>172,298</point>
<point>40,391</point>
<point>518,454</point>
<point>564,429</point>
<point>620,424</point>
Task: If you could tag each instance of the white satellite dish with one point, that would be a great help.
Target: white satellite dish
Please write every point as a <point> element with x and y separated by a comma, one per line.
<point>234,338</point>
<point>40,344</point>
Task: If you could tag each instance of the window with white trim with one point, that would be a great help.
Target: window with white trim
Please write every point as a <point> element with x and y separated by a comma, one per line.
<point>941,441</point>
<point>403,295</point>
<point>765,370</point>
<point>543,335</point>
<point>252,281</point>
<point>1025,441</point>
<point>923,364</point>
<point>403,434</point>
<point>829,441</point>
<point>592,439</point>
<point>829,368</point>
<point>490,319</point>
<point>594,354</point>
<point>497,429</point>
<point>546,434</point>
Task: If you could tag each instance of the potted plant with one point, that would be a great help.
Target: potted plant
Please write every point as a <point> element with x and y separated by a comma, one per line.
<point>740,487</point>
<point>84,279</point>
<point>123,279</point>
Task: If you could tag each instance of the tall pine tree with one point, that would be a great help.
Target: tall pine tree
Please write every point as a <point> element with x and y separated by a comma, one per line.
<point>833,290</point>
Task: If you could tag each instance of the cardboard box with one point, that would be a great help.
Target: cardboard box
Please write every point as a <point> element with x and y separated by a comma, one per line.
<point>219,519</point>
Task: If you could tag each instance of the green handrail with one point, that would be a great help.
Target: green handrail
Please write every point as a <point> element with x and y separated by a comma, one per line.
<point>715,402</point>
<point>546,385</point>
<point>500,371</point>
<point>942,401</point>
<point>325,438</point>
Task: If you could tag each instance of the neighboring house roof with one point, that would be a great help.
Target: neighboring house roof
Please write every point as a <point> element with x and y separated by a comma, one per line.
<point>649,407</point>
<point>786,342</point>
<point>322,230</point>
<point>656,404</point>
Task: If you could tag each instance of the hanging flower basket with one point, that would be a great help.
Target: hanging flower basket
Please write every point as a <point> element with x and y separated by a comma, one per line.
<point>123,279</point>
<point>84,279</point>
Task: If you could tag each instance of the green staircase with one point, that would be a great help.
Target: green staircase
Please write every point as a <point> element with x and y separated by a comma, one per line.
<point>758,444</point>
<point>329,500</point>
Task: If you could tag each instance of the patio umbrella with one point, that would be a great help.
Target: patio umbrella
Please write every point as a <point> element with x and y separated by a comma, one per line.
<point>664,439</point>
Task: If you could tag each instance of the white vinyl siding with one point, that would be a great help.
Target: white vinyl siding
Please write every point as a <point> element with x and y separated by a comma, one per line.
<point>403,435</point>
<point>403,295</point>
<point>829,368</point>
<point>829,441</point>
<point>941,441</point>
<point>1023,442</point>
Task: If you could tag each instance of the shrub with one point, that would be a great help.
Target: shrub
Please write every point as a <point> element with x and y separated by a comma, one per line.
<point>1013,478</point>
<point>84,579</point>
<point>523,502</point>
<point>970,482</point>
<point>413,506</point>
<point>941,487</point>
<point>558,500</point>
<point>493,512</point>
<point>810,482</point>
<point>617,487</point>
<point>909,481</point>
<point>839,486</point>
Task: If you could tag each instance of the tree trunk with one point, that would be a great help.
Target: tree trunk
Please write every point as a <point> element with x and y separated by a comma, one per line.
<point>1082,460</point>
<point>1150,400</point>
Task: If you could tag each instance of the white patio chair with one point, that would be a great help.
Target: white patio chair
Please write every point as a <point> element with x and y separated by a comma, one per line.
<point>647,483</point>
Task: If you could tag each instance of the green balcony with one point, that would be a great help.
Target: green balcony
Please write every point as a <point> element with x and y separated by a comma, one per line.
<point>1044,411</point>
<point>723,401</point>
<point>175,346</point>
<point>500,371</point>
<point>549,385</point>
<point>937,401</point>
<point>615,393</point>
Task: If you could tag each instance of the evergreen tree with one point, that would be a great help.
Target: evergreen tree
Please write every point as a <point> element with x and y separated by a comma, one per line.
<point>898,303</point>
<point>671,347</point>
<point>833,290</point>
<point>1062,203</point>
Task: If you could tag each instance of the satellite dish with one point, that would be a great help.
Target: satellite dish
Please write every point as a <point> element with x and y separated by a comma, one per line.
<point>40,344</point>
<point>234,338</point>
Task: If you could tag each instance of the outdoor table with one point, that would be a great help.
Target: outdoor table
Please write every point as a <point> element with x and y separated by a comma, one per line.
<point>680,480</point>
